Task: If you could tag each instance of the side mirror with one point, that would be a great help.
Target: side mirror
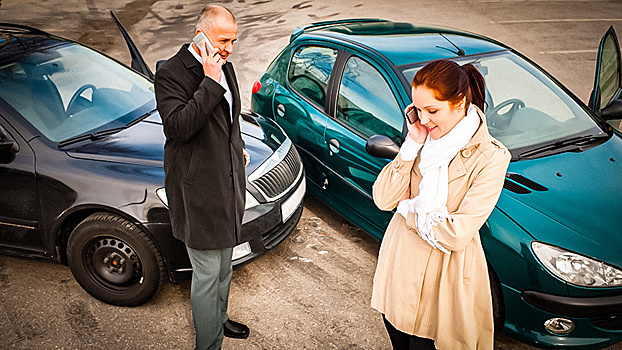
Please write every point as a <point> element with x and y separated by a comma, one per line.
<point>382,146</point>
<point>612,111</point>
<point>7,145</point>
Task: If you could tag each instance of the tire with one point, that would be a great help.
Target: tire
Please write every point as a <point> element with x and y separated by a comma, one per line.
<point>115,261</point>
<point>498,309</point>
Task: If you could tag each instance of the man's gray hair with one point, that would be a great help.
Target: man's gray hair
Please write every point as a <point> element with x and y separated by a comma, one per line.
<point>209,14</point>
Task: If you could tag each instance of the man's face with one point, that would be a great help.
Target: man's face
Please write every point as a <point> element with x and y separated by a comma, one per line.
<point>223,35</point>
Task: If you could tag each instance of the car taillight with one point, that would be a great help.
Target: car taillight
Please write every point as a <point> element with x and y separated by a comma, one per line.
<point>256,87</point>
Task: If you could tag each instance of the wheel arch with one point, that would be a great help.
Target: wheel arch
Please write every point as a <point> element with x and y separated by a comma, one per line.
<point>498,303</point>
<point>74,216</point>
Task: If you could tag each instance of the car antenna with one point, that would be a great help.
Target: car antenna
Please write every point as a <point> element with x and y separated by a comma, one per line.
<point>460,51</point>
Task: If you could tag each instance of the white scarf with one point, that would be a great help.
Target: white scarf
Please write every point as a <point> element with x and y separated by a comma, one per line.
<point>431,203</point>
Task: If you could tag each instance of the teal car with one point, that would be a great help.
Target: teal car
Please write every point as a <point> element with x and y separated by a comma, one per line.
<point>554,240</point>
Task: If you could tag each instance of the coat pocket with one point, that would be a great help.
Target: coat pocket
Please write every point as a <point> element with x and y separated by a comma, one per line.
<point>193,166</point>
<point>468,262</point>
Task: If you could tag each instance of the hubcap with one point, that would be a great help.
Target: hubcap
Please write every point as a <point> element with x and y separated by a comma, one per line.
<point>113,261</point>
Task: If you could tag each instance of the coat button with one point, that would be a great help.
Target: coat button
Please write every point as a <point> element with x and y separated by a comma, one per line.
<point>231,173</point>
<point>466,153</point>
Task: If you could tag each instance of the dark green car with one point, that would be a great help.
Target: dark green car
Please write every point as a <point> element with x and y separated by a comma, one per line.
<point>554,240</point>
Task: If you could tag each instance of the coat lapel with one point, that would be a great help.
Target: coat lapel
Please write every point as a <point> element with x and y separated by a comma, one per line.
<point>235,92</point>
<point>193,64</point>
<point>457,167</point>
<point>233,85</point>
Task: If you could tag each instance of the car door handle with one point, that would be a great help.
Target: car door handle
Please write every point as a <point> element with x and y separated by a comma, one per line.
<point>280,110</point>
<point>333,145</point>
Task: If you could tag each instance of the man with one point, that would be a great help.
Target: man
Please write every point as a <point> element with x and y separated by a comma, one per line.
<point>204,158</point>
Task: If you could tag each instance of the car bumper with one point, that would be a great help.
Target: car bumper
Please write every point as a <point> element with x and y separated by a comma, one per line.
<point>597,307</point>
<point>597,320</point>
<point>263,229</point>
<point>265,225</point>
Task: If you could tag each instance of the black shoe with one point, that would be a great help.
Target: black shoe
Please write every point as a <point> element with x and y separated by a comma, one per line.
<point>235,330</point>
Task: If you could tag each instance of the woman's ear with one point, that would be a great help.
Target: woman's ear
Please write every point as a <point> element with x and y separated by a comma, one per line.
<point>461,104</point>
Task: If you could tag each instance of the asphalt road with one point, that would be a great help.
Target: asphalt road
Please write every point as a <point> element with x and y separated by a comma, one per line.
<point>313,291</point>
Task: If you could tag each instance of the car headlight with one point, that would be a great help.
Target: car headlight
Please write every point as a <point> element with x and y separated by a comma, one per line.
<point>577,269</point>
<point>161,193</point>
<point>251,201</point>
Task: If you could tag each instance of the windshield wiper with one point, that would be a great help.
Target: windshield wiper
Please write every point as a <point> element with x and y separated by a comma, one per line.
<point>100,134</point>
<point>577,144</point>
<point>459,51</point>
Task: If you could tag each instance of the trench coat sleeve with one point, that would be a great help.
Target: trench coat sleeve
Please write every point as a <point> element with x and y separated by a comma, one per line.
<point>183,118</point>
<point>481,197</point>
<point>392,184</point>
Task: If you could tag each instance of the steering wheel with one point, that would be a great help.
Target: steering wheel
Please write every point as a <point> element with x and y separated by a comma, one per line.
<point>76,97</point>
<point>497,120</point>
<point>320,88</point>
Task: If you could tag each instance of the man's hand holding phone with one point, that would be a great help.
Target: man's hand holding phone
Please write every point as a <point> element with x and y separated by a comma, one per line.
<point>212,62</point>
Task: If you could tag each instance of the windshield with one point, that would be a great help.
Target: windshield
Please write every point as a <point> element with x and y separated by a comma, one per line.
<point>525,107</point>
<point>69,90</point>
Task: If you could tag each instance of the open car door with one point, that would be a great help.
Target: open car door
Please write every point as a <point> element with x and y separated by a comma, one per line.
<point>606,97</point>
<point>138,63</point>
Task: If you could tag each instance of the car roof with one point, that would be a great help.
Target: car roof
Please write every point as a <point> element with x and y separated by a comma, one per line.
<point>401,43</point>
<point>19,40</point>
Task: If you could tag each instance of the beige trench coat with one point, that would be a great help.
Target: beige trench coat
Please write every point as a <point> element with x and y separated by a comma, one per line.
<point>421,290</point>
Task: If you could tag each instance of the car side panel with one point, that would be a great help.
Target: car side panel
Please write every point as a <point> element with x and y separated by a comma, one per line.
<point>20,219</point>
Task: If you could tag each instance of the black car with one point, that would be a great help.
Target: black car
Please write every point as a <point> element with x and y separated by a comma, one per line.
<point>81,169</point>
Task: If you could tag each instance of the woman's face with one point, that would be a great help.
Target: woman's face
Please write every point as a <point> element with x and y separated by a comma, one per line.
<point>438,117</point>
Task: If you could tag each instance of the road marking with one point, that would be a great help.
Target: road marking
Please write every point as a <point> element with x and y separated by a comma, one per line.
<point>568,51</point>
<point>559,20</point>
<point>515,1</point>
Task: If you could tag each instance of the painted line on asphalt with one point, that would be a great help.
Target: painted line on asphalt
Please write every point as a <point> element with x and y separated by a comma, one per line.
<point>558,20</point>
<point>515,1</point>
<point>568,51</point>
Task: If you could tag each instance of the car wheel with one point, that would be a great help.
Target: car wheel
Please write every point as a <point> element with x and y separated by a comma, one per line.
<point>114,260</point>
<point>498,310</point>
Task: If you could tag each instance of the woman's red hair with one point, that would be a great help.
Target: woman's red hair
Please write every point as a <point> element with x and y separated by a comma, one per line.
<point>452,82</point>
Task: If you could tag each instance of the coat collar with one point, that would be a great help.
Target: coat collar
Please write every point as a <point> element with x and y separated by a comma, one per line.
<point>191,63</point>
<point>457,166</point>
<point>481,135</point>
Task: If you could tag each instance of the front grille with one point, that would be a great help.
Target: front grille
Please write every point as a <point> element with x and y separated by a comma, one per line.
<point>612,322</point>
<point>274,183</point>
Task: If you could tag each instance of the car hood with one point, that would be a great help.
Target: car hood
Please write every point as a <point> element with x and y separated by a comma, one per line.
<point>143,143</point>
<point>579,207</point>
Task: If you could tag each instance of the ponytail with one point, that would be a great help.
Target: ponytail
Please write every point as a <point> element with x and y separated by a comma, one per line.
<point>477,86</point>
<point>452,82</point>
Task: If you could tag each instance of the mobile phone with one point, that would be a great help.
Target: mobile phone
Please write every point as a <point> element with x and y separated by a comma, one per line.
<point>411,115</point>
<point>202,37</point>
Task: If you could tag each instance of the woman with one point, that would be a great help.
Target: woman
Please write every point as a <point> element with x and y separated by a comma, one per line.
<point>431,282</point>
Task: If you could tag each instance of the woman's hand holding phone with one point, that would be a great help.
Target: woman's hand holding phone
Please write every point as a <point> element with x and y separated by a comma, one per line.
<point>416,131</point>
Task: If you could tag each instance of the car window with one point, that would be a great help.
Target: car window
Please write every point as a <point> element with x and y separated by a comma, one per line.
<point>610,72</point>
<point>366,102</point>
<point>69,90</point>
<point>309,71</point>
<point>525,107</point>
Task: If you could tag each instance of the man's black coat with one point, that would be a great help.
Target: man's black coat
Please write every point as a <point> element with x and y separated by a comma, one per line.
<point>203,159</point>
